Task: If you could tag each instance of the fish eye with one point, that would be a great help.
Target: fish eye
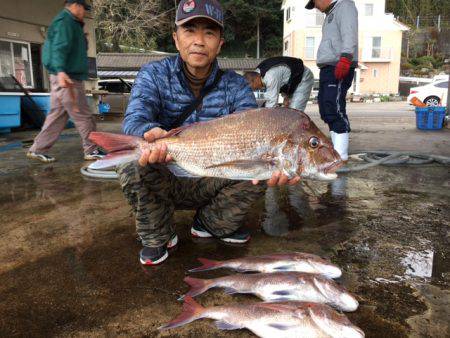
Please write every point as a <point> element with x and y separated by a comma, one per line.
<point>314,142</point>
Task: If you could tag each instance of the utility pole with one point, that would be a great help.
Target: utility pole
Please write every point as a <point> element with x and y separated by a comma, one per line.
<point>257,37</point>
<point>447,62</point>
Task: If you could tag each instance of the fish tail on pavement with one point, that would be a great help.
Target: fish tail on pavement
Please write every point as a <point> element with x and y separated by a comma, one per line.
<point>191,311</point>
<point>208,264</point>
<point>198,286</point>
<point>121,149</point>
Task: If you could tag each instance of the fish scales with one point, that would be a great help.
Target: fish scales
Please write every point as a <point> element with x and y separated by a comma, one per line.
<point>221,141</point>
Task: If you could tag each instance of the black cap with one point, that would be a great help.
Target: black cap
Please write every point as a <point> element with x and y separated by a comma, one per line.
<point>191,9</point>
<point>310,4</point>
<point>80,2</point>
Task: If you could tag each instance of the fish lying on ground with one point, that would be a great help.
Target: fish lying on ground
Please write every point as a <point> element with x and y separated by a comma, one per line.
<point>242,146</point>
<point>295,261</point>
<point>269,320</point>
<point>280,286</point>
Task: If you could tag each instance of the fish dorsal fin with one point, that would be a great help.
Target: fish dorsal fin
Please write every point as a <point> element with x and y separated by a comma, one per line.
<point>240,164</point>
<point>180,172</point>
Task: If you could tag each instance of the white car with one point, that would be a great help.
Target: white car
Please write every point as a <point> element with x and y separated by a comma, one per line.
<point>432,94</point>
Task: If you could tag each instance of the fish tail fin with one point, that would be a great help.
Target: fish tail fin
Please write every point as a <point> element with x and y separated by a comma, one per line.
<point>198,286</point>
<point>114,142</point>
<point>191,311</point>
<point>121,149</point>
<point>208,264</point>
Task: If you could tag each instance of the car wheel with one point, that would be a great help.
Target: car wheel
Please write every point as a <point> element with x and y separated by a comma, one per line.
<point>432,101</point>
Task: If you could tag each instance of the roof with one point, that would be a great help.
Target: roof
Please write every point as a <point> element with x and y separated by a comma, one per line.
<point>134,61</point>
<point>401,25</point>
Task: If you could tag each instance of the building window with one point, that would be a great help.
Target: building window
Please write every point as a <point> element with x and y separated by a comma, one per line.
<point>375,73</point>
<point>319,17</point>
<point>376,47</point>
<point>368,9</point>
<point>15,59</point>
<point>288,14</point>
<point>310,47</point>
<point>286,45</point>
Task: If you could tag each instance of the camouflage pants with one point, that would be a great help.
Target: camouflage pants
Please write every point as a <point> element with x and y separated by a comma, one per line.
<point>154,193</point>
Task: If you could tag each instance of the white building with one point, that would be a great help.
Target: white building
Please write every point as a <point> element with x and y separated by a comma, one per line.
<point>380,43</point>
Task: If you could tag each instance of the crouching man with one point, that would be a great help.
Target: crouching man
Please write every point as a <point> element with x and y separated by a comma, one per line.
<point>283,75</point>
<point>182,90</point>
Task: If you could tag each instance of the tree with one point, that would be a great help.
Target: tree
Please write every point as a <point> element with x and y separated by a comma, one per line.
<point>132,23</point>
<point>241,21</point>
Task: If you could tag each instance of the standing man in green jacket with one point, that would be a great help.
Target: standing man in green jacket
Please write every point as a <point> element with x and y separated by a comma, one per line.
<point>65,57</point>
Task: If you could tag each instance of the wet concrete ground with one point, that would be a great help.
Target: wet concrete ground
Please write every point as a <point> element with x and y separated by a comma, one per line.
<point>68,253</point>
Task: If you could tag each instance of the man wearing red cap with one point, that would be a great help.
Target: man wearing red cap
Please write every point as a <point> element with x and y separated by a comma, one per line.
<point>337,59</point>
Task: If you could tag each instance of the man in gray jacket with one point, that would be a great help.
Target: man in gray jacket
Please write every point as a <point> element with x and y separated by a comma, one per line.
<point>337,59</point>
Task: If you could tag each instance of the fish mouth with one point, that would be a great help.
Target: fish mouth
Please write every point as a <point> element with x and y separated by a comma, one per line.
<point>331,168</point>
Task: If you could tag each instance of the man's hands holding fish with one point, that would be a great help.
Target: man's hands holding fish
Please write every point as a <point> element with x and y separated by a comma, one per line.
<point>159,155</point>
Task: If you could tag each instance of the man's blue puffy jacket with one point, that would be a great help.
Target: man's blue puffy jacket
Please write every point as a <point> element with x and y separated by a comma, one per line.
<point>161,93</point>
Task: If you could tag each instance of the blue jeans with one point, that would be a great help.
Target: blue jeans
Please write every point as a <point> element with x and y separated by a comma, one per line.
<point>331,98</point>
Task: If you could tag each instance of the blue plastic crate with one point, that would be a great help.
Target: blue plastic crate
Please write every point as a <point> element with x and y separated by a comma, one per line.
<point>9,112</point>
<point>103,108</point>
<point>430,118</point>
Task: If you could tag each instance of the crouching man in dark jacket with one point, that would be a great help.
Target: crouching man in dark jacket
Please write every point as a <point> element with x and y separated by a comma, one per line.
<point>161,93</point>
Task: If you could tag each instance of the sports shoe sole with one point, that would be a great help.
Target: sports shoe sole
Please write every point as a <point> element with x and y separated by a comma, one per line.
<point>204,234</point>
<point>41,158</point>
<point>152,263</point>
<point>235,241</point>
<point>200,234</point>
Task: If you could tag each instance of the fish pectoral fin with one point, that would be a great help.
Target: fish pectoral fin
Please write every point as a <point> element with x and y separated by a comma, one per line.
<point>180,172</point>
<point>240,164</point>
<point>281,327</point>
<point>227,326</point>
<point>282,293</point>
<point>287,267</point>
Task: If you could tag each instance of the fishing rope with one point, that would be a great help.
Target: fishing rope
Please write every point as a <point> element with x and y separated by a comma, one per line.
<point>391,158</point>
